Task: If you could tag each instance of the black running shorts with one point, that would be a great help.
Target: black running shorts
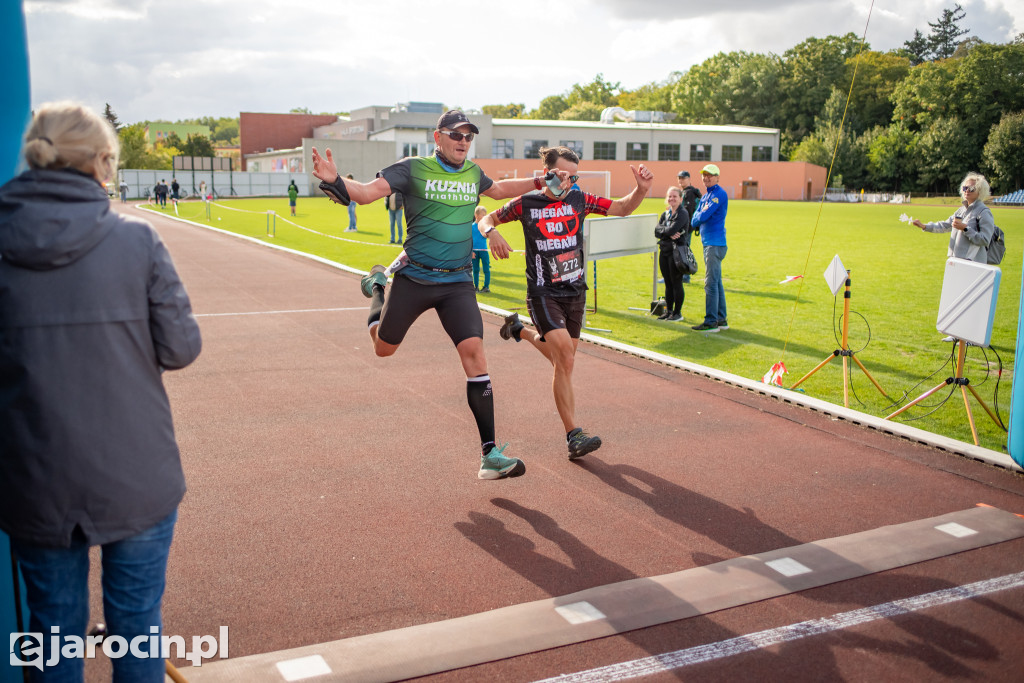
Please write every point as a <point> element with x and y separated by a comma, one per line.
<point>558,313</point>
<point>455,303</point>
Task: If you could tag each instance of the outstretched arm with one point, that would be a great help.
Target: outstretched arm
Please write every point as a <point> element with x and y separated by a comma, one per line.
<point>361,193</point>
<point>499,246</point>
<point>627,205</point>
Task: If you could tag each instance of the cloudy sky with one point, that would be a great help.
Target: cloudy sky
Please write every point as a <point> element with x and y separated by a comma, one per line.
<point>174,59</point>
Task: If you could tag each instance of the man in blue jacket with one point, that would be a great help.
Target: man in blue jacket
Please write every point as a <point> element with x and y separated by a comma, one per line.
<point>709,218</point>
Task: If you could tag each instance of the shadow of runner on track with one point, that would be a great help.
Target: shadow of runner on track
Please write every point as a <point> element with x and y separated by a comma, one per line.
<point>936,644</point>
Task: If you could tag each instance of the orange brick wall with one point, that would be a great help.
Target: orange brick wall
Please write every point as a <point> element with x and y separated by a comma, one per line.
<point>775,179</point>
<point>256,131</point>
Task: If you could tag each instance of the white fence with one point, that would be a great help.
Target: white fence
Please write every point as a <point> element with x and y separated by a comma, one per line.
<point>219,183</point>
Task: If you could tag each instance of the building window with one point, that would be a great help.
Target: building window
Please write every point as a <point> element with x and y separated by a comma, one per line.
<point>636,151</point>
<point>418,149</point>
<point>668,152</point>
<point>732,152</point>
<point>700,152</point>
<point>502,148</point>
<point>574,145</point>
<point>604,151</point>
<point>531,148</point>
<point>761,154</point>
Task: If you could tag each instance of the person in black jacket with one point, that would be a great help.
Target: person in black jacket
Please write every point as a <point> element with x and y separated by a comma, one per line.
<point>92,311</point>
<point>691,195</point>
<point>673,228</point>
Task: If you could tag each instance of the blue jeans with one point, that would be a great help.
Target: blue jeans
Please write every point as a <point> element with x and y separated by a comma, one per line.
<point>134,576</point>
<point>396,219</point>
<point>352,216</point>
<point>481,257</point>
<point>714,292</point>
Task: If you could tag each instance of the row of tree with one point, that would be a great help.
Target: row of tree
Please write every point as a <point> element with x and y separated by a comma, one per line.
<point>136,152</point>
<point>912,119</point>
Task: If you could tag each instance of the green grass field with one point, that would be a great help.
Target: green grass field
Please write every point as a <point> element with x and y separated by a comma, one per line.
<point>896,273</point>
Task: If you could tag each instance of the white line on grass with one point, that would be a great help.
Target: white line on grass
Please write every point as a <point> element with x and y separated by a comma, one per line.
<point>762,639</point>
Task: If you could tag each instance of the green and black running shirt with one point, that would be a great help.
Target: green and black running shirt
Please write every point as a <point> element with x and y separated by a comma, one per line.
<point>554,239</point>
<point>439,207</point>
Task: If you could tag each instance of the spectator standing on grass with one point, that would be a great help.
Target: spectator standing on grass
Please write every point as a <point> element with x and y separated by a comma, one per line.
<point>91,312</point>
<point>351,212</point>
<point>175,189</point>
<point>673,228</point>
<point>396,204</point>
<point>481,255</point>
<point>293,196</point>
<point>124,190</point>
<point>709,218</point>
<point>161,192</point>
<point>971,225</point>
<point>691,195</point>
<point>441,193</point>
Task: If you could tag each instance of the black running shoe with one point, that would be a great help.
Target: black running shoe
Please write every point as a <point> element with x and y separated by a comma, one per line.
<point>581,443</point>
<point>511,328</point>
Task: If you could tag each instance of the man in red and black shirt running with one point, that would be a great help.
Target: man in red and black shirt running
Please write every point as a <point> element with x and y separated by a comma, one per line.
<point>556,285</point>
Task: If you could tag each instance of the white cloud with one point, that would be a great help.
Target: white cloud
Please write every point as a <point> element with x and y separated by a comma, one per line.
<point>190,58</point>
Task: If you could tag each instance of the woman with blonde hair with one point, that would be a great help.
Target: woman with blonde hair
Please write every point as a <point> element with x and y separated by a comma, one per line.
<point>91,312</point>
<point>971,225</point>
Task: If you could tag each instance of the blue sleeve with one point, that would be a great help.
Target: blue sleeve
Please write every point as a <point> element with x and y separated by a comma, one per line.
<point>707,208</point>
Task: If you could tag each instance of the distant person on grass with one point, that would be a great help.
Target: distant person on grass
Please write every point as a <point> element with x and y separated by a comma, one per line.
<point>351,210</point>
<point>481,255</point>
<point>441,193</point>
<point>293,196</point>
<point>396,205</point>
<point>709,218</point>
<point>556,283</point>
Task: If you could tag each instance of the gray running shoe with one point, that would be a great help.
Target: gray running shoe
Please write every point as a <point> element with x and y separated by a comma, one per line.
<point>511,328</point>
<point>581,443</point>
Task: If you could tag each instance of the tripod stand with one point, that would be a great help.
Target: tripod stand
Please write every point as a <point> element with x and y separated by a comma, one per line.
<point>845,352</point>
<point>964,385</point>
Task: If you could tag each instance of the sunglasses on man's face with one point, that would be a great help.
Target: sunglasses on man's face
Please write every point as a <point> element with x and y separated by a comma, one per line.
<point>968,188</point>
<point>457,136</point>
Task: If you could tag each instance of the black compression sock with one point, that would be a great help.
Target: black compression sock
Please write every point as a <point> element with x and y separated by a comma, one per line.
<point>481,402</point>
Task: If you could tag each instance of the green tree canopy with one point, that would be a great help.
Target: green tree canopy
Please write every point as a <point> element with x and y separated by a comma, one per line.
<point>946,32</point>
<point>583,111</point>
<point>504,111</point>
<point>810,70</point>
<point>550,108</point>
<point>1004,152</point>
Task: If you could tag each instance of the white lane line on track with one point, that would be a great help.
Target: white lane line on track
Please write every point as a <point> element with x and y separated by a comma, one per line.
<point>301,310</point>
<point>813,627</point>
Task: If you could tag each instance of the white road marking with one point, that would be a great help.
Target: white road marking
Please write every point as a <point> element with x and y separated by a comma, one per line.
<point>813,627</point>
<point>303,668</point>
<point>579,612</point>
<point>787,566</point>
<point>957,530</point>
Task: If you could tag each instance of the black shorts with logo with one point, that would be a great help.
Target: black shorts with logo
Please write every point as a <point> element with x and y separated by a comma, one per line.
<point>455,303</point>
<point>558,313</point>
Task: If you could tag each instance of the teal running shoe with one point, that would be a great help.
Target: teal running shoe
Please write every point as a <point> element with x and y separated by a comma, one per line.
<point>494,465</point>
<point>376,276</point>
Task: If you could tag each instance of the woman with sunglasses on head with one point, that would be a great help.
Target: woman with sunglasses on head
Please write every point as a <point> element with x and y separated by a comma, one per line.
<point>971,225</point>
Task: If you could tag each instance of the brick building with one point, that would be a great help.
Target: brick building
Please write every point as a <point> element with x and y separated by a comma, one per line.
<point>267,132</point>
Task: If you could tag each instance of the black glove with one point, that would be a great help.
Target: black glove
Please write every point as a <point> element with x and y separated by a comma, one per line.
<point>336,191</point>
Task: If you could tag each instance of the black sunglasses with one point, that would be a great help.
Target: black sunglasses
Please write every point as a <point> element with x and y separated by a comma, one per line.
<point>457,136</point>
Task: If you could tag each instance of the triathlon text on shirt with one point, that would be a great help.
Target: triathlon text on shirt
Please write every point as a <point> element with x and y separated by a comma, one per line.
<point>439,189</point>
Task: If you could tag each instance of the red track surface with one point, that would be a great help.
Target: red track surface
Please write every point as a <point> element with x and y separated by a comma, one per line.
<point>333,493</point>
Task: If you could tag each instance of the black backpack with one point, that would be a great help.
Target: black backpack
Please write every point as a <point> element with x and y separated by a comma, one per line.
<point>997,247</point>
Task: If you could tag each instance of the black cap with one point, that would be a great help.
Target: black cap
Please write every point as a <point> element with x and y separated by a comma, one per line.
<point>453,118</point>
<point>684,174</point>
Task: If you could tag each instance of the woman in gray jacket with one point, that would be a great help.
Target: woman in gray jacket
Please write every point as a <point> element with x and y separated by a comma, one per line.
<point>91,312</point>
<point>972,224</point>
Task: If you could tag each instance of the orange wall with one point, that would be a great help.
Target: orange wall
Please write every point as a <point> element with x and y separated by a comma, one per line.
<point>775,179</point>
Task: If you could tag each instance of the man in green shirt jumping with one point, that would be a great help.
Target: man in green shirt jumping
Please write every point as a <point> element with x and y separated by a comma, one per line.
<point>441,193</point>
